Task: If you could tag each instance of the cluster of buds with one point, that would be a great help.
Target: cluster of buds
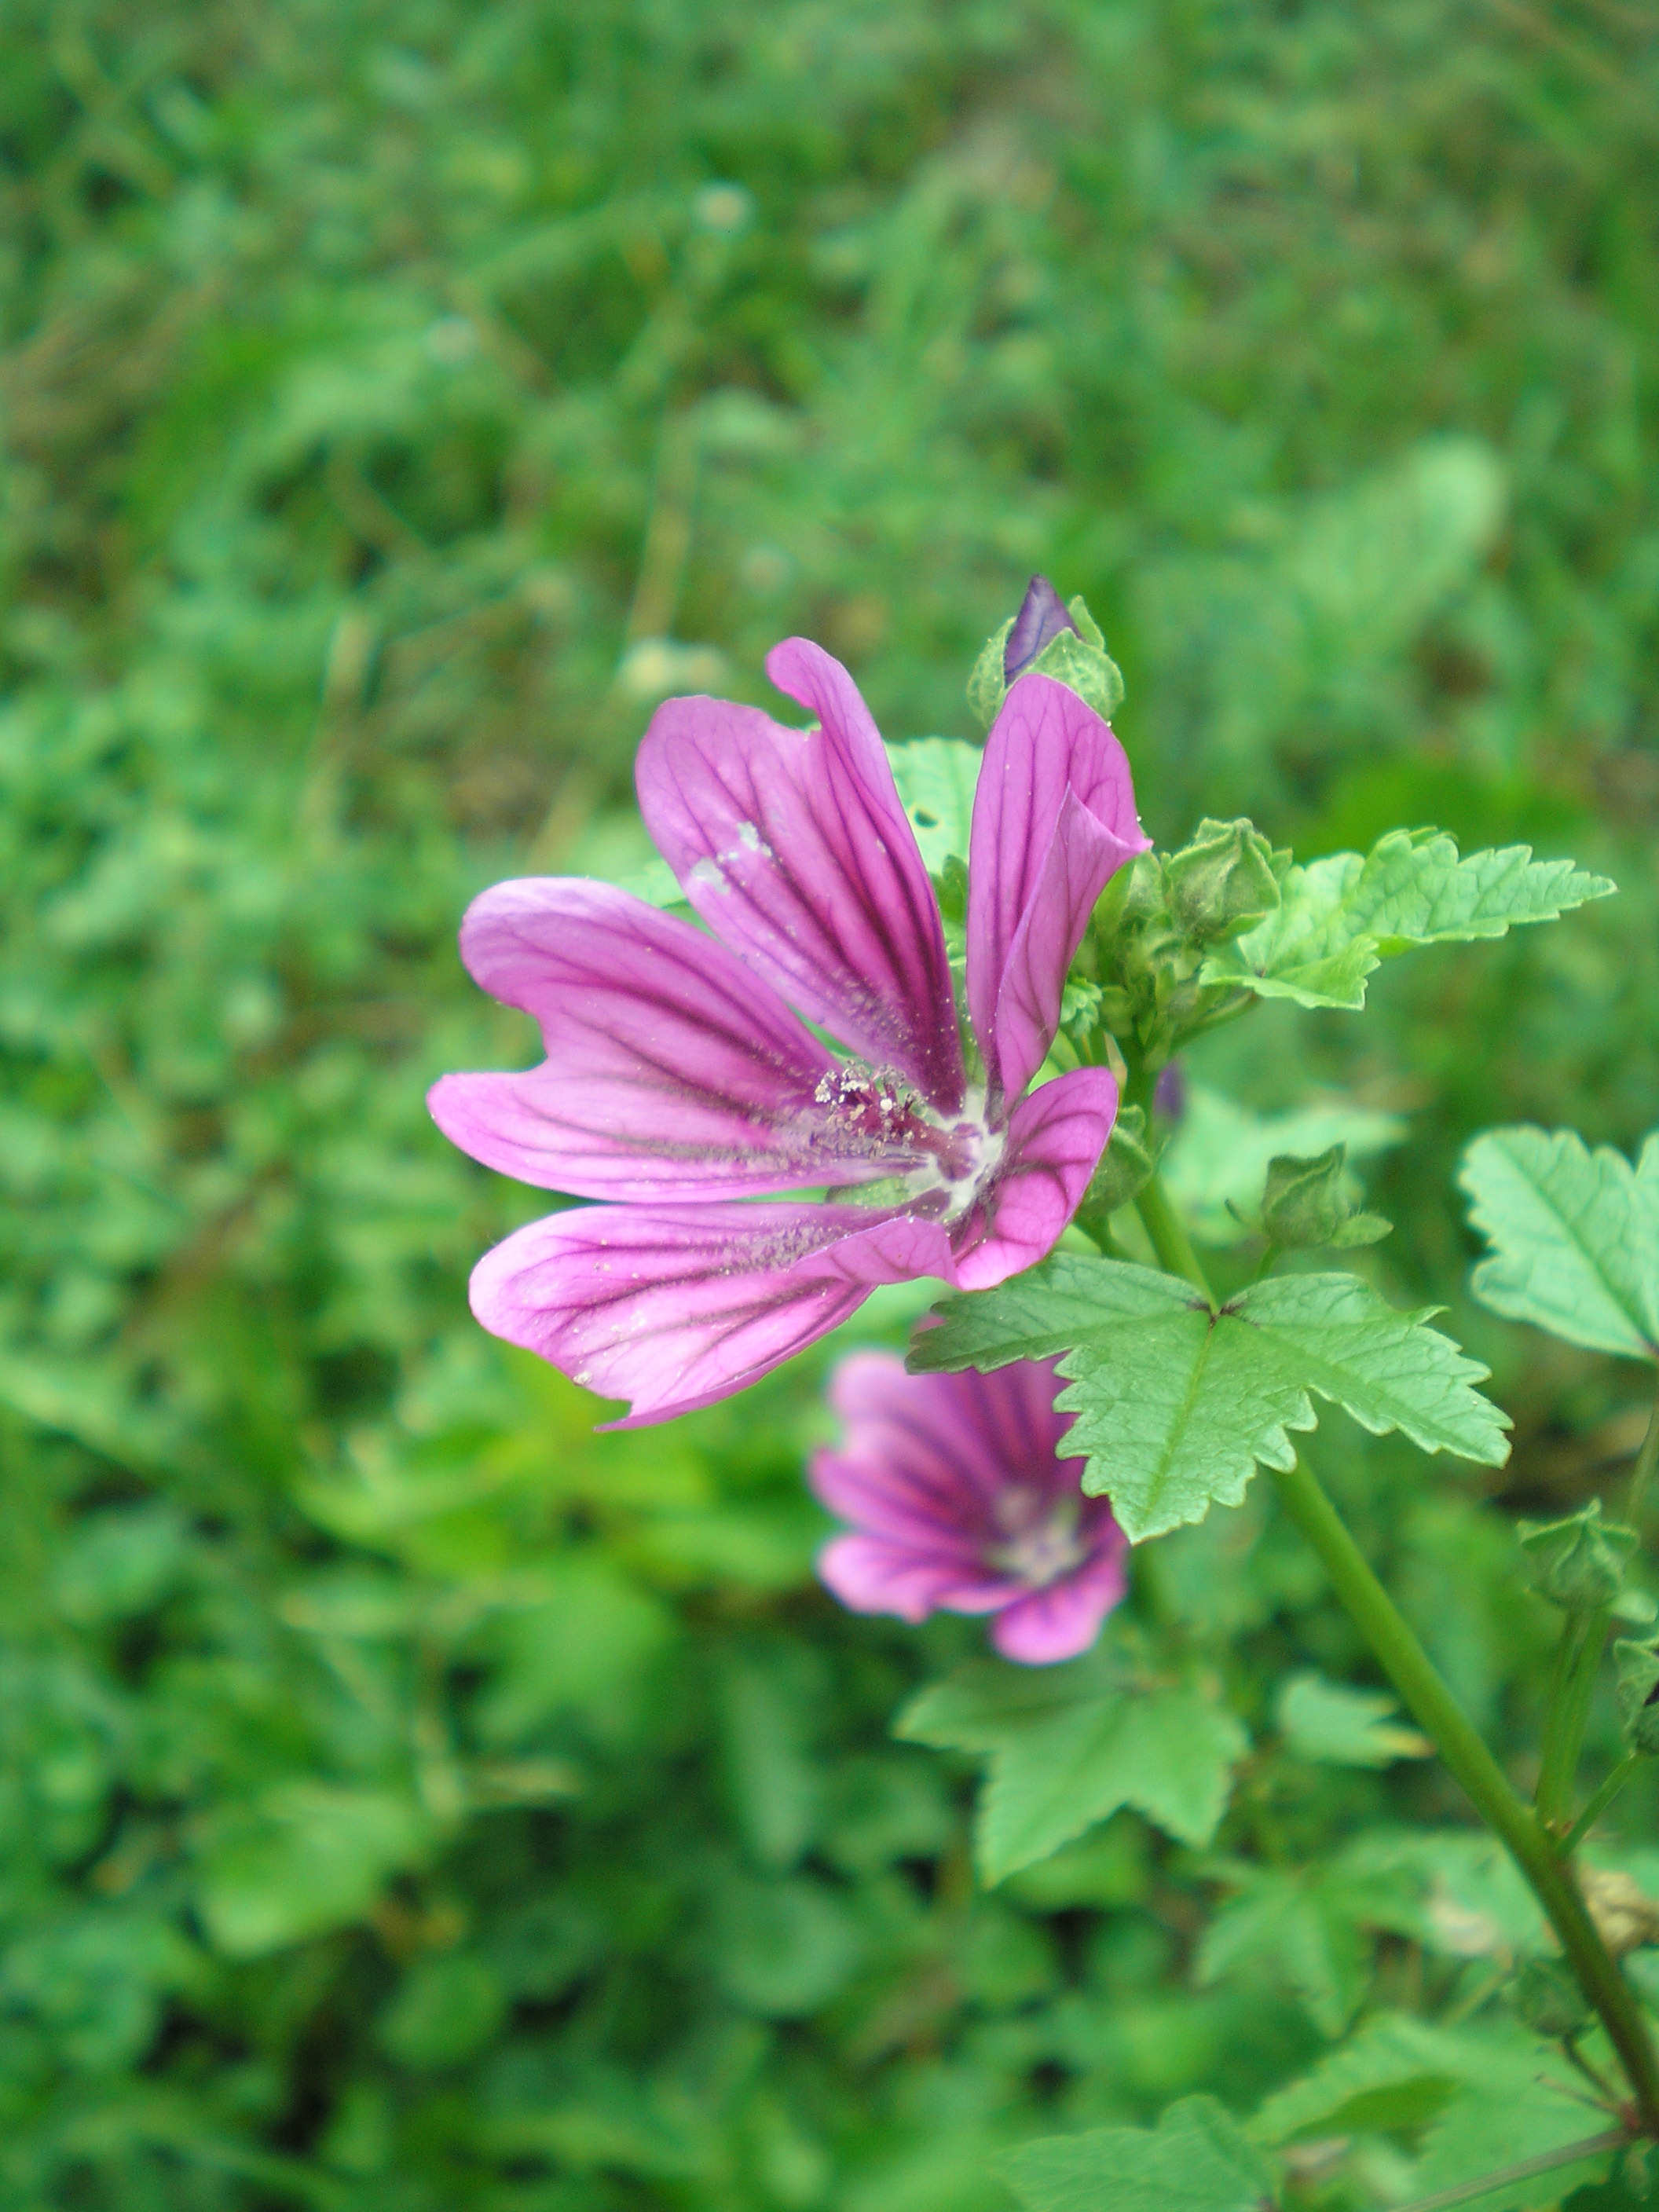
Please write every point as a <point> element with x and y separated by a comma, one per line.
<point>1161,916</point>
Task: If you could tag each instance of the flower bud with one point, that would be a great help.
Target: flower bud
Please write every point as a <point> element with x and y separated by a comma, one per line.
<point>1126,1166</point>
<point>1223,882</point>
<point>1064,642</point>
<point>1579,1562</point>
<point>1305,1205</point>
<point>1636,1687</point>
<point>1041,619</point>
<point>1546,1995</point>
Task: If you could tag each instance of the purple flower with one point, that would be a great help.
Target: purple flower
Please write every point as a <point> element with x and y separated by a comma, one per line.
<point>679,1083</point>
<point>961,1501</point>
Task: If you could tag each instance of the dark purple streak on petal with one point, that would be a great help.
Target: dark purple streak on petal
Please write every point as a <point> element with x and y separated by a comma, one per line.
<point>673,1307</point>
<point>794,847</point>
<point>1056,1139</point>
<point>671,1072</point>
<point>1045,744</point>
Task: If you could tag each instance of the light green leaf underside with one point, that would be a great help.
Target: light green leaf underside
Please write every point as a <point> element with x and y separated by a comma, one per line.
<point>1175,1408</point>
<point>1341,916</point>
<point>1397,2073</point>
<point>1069,1746</point>
<point>1575,1237</point>
<point>936,778</point>
<point>1328,1722</point>
<point>1196,2160</point>
<point>1218,1158</point>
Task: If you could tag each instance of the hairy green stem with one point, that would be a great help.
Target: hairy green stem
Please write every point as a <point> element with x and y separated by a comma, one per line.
<point>1583,1641</point>
<point>1600,1802</point>
<point>1408,1667</point>
<point>1546,2162</point>
<point>1170,1242</point>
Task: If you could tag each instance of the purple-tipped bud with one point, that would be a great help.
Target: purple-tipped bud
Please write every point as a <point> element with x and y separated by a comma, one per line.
<point>1041,619</point>
<point>1170,1096</point>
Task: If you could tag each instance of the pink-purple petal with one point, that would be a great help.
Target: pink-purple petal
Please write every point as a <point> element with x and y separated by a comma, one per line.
<point>673,1307</point>
<point>1062,1619</point>
<point>672,1071</point>
<point>1045,743</point>
<point>791,844</point>
<point>921,1456</point>
<point>1054,1140</point>
<point>877,1574</point>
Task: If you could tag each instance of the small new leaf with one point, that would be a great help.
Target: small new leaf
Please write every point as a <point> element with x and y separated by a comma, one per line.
<point>1068,1745</point>
<point>1176,1406</point>
<point>1305,1203</point>
<point>936,778</point>
<point>1340,917</point>
<point>1574,1236</point>
<point>1328,1722</point>
<point>1196,2160</point>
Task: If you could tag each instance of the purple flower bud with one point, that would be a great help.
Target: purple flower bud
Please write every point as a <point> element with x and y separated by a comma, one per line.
<point>1170,1096</point>
<point>1041,619</point>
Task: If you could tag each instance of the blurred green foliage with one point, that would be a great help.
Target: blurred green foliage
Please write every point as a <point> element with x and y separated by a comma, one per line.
<point>409,1798</point>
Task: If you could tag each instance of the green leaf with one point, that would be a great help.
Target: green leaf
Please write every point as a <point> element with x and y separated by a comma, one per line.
<point>1340,917</point>
<point>1176,1407</point>
<point>1574,1236</point>
<point>1395,2073</point>
<point>1215,1164</point>
<point>308,1857</point>
<point>1069,1746</point>
<point>1310,1928</point>
<point>1338,1727</point>
<point>1196,2160</point>
<point>1523,2107</point>
<point>936,778</point>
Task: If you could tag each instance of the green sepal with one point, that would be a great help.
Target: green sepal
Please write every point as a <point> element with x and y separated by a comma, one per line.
<point>1126,1167</point>
<point>1579,1563</point>
<point>1223,882</point>
<point>1636,1687</point>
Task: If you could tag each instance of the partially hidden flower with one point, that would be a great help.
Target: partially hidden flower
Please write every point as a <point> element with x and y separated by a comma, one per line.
<point>680,1082</point>
<point>962,1500</point>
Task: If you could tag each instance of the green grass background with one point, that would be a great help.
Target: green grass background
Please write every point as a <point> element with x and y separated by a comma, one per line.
<point>408,1799</point>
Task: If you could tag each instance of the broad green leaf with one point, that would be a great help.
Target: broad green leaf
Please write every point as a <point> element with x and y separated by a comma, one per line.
<point>1395,2073</point>
<point>1217,1160</point>
<point>308,1857</point>
<point>1069,1746</point>
<point>1455,1891</point>
<point>936,778</point>
<point>1574,1236</point>
<point>1309,1928</point>
<point>1197,2159</point>
<point>1525,2105</point>
<point>1176,1407</point>
<point>1340,917</point>
<point>1339,1727</point>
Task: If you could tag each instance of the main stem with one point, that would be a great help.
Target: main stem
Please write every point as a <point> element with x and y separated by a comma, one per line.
<point>1409,1667</point>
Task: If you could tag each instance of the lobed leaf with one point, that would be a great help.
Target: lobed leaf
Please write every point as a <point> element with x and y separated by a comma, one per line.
<point>1069,1746</point>
<point>1395,2073</point>
<point>1574,1236</point>
<point>1176,1407</point>
<point>1340,917</point>
<point>1196,2160</point>
<point>1331,1724</point>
